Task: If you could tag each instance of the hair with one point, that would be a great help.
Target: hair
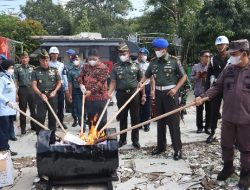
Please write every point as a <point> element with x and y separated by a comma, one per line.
<point>202,52</point>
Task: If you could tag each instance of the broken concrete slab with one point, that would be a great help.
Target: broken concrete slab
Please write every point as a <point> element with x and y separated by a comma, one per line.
<point>131,183</point>
<point>166,166</point>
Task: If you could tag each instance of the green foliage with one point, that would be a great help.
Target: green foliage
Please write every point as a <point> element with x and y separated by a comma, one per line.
<point>53,17</point>
<point>13,28</point>
<point>223,17</point>
<point>99,16</point>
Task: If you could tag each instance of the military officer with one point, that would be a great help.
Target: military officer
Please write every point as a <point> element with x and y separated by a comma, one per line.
<point>75,93</point>
<point>54,53</point>
<point>217,64</point>
<point>169,77</point>
<point>234,84</point>
<point>46,82</point>
<point>124,78</point>
<point>25,92</point>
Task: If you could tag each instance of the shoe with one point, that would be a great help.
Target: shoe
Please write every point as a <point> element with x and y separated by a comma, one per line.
<point>157,151</point>
<point>178,155</point>
<point>244,182</point>
<point>199,131</point>
<point>122,143</point>
<point>146,128</point>
<point>23,131</point>
<point>226,172</point>
<point>75,123</point>
<point>33,128</point>
<point>13,153</point>
<point>207,131</point>
<point>13,139</point>
<point>210,139</point>
<point>136,144</point>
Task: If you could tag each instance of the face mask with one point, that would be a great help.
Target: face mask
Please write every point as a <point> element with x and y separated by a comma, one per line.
<point>144,58</point>
<point>235,60</point>
<point>10,72</point>
<point>123,58</point>
<point>159,54</point>
<point>92,63</point>
<point>76,63</point>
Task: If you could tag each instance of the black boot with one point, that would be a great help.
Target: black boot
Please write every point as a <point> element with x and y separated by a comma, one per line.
<point>226,172</point>
<point>210,138</point>
<point>244,182</point>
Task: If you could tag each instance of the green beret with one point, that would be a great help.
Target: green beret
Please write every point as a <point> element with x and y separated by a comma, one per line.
<point>43,54</point>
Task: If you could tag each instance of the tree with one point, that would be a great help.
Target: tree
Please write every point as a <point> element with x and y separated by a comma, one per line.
<point>53,17</point>
<point>223,17</point>
<point>102,16</point>
<point>13,28</point>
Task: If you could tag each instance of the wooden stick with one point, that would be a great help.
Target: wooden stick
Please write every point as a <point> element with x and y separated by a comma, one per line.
<point>57,119</point>
<point>103,112</point>
<point>82,116</point>
<point>151,120</point>
<point>125,104</point>
<point>31,118</point>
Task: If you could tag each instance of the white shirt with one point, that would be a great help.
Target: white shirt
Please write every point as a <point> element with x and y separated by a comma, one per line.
<point>60,67</point>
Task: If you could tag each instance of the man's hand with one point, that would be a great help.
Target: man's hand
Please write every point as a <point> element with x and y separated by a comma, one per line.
<point>172,92</point>
<point>44,97</point>
<point>70,98</point>
<point>82,88</point>
<point>143,99</point>
<point>198,101</point>
<point>110,96</point>
<point>140,84</point>
<point>87,93</point>
<point>52,94</point>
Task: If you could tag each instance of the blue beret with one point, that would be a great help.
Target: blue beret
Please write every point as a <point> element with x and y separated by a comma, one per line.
<point>144,50</point>
<point>160,43</point>
<point>3,56</point>
<point>71,52</point>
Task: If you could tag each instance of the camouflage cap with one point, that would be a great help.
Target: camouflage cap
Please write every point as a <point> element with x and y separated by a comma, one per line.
<point>25,53</point>
<point>238,45</point>
<point>123,47</point>
<point>43,54</point>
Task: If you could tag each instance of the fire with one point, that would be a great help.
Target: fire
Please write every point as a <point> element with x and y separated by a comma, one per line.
<point>93,133</point>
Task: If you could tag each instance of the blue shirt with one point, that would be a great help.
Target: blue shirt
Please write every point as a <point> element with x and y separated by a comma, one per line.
<point>62,72</point>
<point>7,93</point>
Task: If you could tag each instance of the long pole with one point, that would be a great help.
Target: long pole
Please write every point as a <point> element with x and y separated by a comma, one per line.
<point>149,121</point>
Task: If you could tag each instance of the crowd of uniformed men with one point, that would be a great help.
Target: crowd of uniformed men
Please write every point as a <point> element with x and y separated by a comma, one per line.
<point>224,76</point>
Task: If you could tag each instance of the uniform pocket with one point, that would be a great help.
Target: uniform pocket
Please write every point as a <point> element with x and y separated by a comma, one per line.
<point>229,83</point>
<point>246,85</point>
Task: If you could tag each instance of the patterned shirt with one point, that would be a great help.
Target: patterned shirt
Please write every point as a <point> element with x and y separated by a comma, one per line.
<point>95,80</point>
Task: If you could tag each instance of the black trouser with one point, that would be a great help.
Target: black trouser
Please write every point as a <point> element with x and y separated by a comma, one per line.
<point>6,126</point>
<point>60,104</point>
<point>94,108</point>
<point>165,103</point>
<point>199,115</point>
<point>42,109</point>
<point>214,112</point>
<point>122,96</point>
<point>26,97</point>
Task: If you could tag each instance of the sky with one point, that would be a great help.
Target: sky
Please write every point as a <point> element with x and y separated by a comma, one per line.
<point>13,6</point>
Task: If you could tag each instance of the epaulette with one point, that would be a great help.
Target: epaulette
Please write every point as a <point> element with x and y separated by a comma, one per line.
<point>154,58</point>
<point>35,68</point>
<point>173,57</point>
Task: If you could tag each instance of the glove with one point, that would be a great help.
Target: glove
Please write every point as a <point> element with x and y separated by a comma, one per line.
<point>82,88</point>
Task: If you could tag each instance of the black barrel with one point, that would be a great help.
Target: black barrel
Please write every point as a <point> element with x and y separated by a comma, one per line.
<point>68,161</point>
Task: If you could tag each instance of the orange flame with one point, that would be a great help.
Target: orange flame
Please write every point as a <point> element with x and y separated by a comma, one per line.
<point>93,134</point>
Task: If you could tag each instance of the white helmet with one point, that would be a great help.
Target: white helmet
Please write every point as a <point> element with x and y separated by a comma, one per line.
<point>221,40</point>
<point>53,50</point>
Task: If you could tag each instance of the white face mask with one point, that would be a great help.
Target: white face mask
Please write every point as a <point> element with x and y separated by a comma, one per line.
<point>124,58</point>
<point>144,58</point>
<point>76,63</point>
<point>159,54</point>
<point>92,63</point>
<point>235,60</point>
<point>10,72</point>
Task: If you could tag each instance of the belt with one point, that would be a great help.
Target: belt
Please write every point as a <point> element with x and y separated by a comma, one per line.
<point>168,87</point>
<point>24,86</point>
<point>127,90</point>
